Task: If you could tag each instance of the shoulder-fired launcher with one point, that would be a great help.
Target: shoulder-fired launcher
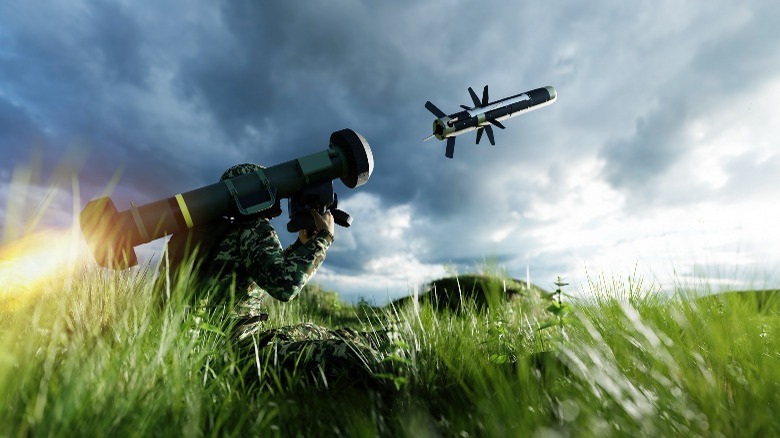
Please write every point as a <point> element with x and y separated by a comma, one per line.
<point>112,235</point>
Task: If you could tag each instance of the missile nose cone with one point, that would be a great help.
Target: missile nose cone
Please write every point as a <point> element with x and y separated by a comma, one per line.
<point>553,93</point>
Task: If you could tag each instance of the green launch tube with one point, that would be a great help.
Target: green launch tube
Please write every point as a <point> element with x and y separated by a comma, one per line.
<point>112,235</point>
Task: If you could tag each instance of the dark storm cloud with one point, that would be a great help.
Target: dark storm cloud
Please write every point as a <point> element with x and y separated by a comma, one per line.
<point>71,73</point>
<point>17,127</point>
<point>298,67</point>
<point>93,80</point>
<point>116,37</point>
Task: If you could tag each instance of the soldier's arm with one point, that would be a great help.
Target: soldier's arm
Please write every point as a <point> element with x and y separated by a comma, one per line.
<point>281,273</point>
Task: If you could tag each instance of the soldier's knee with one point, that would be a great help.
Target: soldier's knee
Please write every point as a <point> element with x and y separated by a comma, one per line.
<point>284,292</point>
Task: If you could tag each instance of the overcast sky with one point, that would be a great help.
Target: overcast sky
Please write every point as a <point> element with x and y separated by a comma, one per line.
<point>660,155</point>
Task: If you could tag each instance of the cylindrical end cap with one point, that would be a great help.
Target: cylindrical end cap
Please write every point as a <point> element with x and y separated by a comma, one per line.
<point>553,92</point>
<point>360,160</point>
<point>102,226</point>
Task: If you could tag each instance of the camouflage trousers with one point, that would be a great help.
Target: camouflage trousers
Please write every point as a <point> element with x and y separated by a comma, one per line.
<point>315,354</point>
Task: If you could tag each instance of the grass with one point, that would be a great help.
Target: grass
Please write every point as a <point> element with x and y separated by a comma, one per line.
<point>97,354</point>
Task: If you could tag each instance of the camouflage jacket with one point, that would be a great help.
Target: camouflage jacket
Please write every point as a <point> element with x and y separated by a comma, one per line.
<point>250,254</point>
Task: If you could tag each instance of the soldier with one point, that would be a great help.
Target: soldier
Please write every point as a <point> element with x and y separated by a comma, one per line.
<point>244,255</point>
<point>246,250</point>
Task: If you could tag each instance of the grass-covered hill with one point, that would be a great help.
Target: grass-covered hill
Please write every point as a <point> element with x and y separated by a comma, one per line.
<point>477,290</point>
<point>97,355</point>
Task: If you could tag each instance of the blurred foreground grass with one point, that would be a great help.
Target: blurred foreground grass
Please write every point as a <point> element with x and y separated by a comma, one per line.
<point>97,355</point>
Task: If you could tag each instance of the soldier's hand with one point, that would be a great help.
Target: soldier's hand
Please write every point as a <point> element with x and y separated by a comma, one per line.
<point>324,221</point>
<point>303,236</point>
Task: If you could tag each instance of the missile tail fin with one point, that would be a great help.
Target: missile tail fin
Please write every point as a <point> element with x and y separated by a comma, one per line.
<point>497,124</point>
<point>479,134</point>
<point>474,98</point>
<point>450,152</point>
<point>489,130</point>
<point>434,109</point>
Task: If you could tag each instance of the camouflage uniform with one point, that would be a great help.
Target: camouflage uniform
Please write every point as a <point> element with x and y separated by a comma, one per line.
<point>252,252</point>
<point>246,254</point>
<point>246,251</point>
<point>320,356</point>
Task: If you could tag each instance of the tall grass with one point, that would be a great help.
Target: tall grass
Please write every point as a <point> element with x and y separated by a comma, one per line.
<point>692,366</point>
<point>100,353</point>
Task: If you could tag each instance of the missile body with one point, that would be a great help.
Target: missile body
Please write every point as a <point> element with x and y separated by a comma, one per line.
<point>484,114</point>
<point>112,235</point>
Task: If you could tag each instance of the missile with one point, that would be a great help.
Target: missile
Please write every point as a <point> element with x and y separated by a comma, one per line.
<point>112,235</point>
<point>484,114</point>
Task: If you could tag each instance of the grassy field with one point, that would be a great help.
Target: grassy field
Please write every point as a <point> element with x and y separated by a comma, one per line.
<point>97,355</point>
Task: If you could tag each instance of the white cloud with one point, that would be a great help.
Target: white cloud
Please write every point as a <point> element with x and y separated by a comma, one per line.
<point>379,248</point>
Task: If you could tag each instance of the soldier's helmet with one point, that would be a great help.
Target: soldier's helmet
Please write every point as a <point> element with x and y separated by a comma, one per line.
<point>240,169</point>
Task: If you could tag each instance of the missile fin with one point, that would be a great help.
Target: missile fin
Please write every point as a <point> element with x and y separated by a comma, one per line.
<point>497,124</point>
<point>479,134</point>
<point>465,107</point>
<point>450,152</point>
<point>489,130</point>
<point>435,110</point>
<point>485,96</point>
<point>474,98</point>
